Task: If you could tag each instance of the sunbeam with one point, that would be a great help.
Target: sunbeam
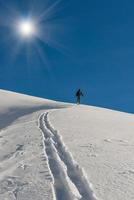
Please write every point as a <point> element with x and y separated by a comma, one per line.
<point>35,26</point>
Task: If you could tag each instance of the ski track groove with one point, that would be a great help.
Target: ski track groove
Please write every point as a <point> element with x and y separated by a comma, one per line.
<point>69,180</point>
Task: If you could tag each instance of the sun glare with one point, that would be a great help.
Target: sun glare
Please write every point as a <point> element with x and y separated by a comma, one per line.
<point>26,28</point>
<point>33,30</point>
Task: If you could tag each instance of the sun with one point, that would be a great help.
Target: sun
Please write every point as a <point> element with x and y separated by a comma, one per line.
<point>26,28</point>
<point>33,31</point>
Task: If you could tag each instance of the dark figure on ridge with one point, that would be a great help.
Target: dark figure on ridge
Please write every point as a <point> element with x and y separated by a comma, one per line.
<point>78,96</point>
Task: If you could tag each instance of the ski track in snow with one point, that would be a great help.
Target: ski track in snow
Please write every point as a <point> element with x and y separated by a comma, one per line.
<point>69,179</point>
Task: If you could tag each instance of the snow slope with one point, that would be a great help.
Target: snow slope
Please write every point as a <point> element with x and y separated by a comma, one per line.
<point>14,105</point>
<point>24,171</point>
<point>51,150</point>
<point>102,142</point>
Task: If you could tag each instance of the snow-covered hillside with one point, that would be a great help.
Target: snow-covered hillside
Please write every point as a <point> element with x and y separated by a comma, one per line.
<point>51,150</point>
<point>102,142</point>
<point>24,171</point>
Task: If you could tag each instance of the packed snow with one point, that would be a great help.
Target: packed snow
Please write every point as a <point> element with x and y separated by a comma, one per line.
<point>58,151</point>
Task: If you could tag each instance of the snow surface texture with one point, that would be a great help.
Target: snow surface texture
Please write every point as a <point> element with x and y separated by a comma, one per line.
<point>102,142</point>
<point>24,171</point>
<point>57,151</point>
<point>70,181</point>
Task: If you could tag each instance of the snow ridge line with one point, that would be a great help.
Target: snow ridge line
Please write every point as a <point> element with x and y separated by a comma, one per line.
<point>63,188</point>
<point>74,175</point>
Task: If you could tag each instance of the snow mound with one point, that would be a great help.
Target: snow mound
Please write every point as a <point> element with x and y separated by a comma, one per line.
<point>14,105</point>
<point>56,151</point>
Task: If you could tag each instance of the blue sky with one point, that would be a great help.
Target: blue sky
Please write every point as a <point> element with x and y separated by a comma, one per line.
<point>91,47</point>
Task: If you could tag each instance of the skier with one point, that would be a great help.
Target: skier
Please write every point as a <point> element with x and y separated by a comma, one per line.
<point>78,95</point>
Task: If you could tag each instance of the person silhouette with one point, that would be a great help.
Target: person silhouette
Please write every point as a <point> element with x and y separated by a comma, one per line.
<point>78,95</point>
